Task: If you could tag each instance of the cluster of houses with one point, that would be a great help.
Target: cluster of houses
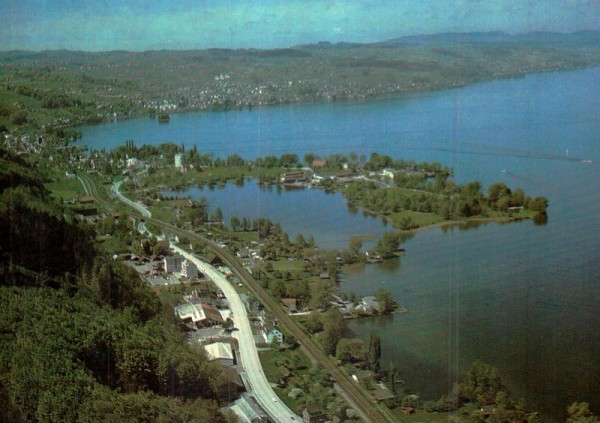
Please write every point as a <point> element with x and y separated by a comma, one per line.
<point>367,305</point>
<point>210,326</point>
<point>379,391</point>
<point>163,270</point>
<point>24,144</point>
<point>206,315</point>
<point>253,252</point>
<point>196,315</point>
<point>389,173</point>
<point>307,177</point>
<point>177,263</point>
<point>248,411</point>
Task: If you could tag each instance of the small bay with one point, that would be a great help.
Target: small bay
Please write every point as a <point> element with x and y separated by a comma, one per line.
<point>308,212</point>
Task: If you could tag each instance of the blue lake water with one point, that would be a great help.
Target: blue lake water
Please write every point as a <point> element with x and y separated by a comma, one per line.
<point>522,297</point>
<point>307,212</point>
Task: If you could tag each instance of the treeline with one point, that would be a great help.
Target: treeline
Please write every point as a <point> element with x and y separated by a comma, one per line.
<point>483,388</point>
<point>69,358</point>
<point>146,152</point>
<point>375,162</point>
<point>82,338</point>
<point>443,197</point>
<point>48,99</point>
<point>34,232</point>
<point>191,156</point>
<point>329,328</point>
<point>286,160</point>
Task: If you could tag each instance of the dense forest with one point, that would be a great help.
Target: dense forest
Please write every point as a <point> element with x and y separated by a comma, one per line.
<point>82,338</point>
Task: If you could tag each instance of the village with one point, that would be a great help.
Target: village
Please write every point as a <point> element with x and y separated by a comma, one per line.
<point>302,278</point>
<point>203,312</point>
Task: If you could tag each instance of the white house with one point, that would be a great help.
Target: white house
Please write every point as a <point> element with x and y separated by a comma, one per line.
<point>199,315</point>
<point>191,313</point>
<point>388,173</point>
<point>178,160</point>
<point>275,335</point>
<point>248,410</point>
<point>220,351</point>
<point>368,305</point>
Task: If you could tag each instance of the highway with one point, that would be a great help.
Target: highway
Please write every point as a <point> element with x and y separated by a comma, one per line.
<point>369,410</point>
<point>260,387</point>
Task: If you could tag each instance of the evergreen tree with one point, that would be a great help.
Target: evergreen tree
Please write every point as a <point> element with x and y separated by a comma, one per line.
<point>374,353</point>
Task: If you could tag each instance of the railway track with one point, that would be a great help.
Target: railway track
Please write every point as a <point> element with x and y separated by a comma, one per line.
<point>366,405</point>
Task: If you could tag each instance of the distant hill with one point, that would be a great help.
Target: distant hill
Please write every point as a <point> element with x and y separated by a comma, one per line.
<point>496,37</point>
<point>63,87</point>
<point>585,37</point>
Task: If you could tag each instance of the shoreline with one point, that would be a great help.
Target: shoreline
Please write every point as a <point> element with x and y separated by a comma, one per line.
<point>444,224</point>
<point>448,223</point>
<point>477,220</point>
<point>350,100</point>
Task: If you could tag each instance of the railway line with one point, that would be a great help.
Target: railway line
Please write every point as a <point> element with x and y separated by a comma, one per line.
<point>358,398</point>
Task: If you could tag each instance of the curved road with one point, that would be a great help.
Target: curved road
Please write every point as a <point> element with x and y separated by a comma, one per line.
<point>136,205</point>
<point>358,398</point>
<point>260,387</point>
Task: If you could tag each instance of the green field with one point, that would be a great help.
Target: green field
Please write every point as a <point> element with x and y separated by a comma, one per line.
<point>418,218</point>
<point>63,187</point>
<point>292,266</point>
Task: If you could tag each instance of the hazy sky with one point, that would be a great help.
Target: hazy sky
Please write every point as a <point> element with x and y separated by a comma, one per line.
<point>184,24</point>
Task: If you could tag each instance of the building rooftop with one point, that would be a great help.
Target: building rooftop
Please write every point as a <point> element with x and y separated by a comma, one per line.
<point>382,393</point>
<point>190,311</point>
<point>219,350</point>
<point>247,408</point>
<point>370,302</point>
<point>212,313</point>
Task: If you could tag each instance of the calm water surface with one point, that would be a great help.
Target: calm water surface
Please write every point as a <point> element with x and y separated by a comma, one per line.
<point>308,212</point>
<point>522,297</point>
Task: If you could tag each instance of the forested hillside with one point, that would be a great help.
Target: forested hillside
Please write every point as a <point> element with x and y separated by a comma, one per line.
<point>82,338</point>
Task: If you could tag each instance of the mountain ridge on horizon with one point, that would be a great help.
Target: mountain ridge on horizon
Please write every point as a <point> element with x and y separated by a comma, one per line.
<point>588,36</point>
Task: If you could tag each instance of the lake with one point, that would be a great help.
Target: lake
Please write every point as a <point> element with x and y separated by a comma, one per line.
<point>522,297</point>
<point>299,211</point>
